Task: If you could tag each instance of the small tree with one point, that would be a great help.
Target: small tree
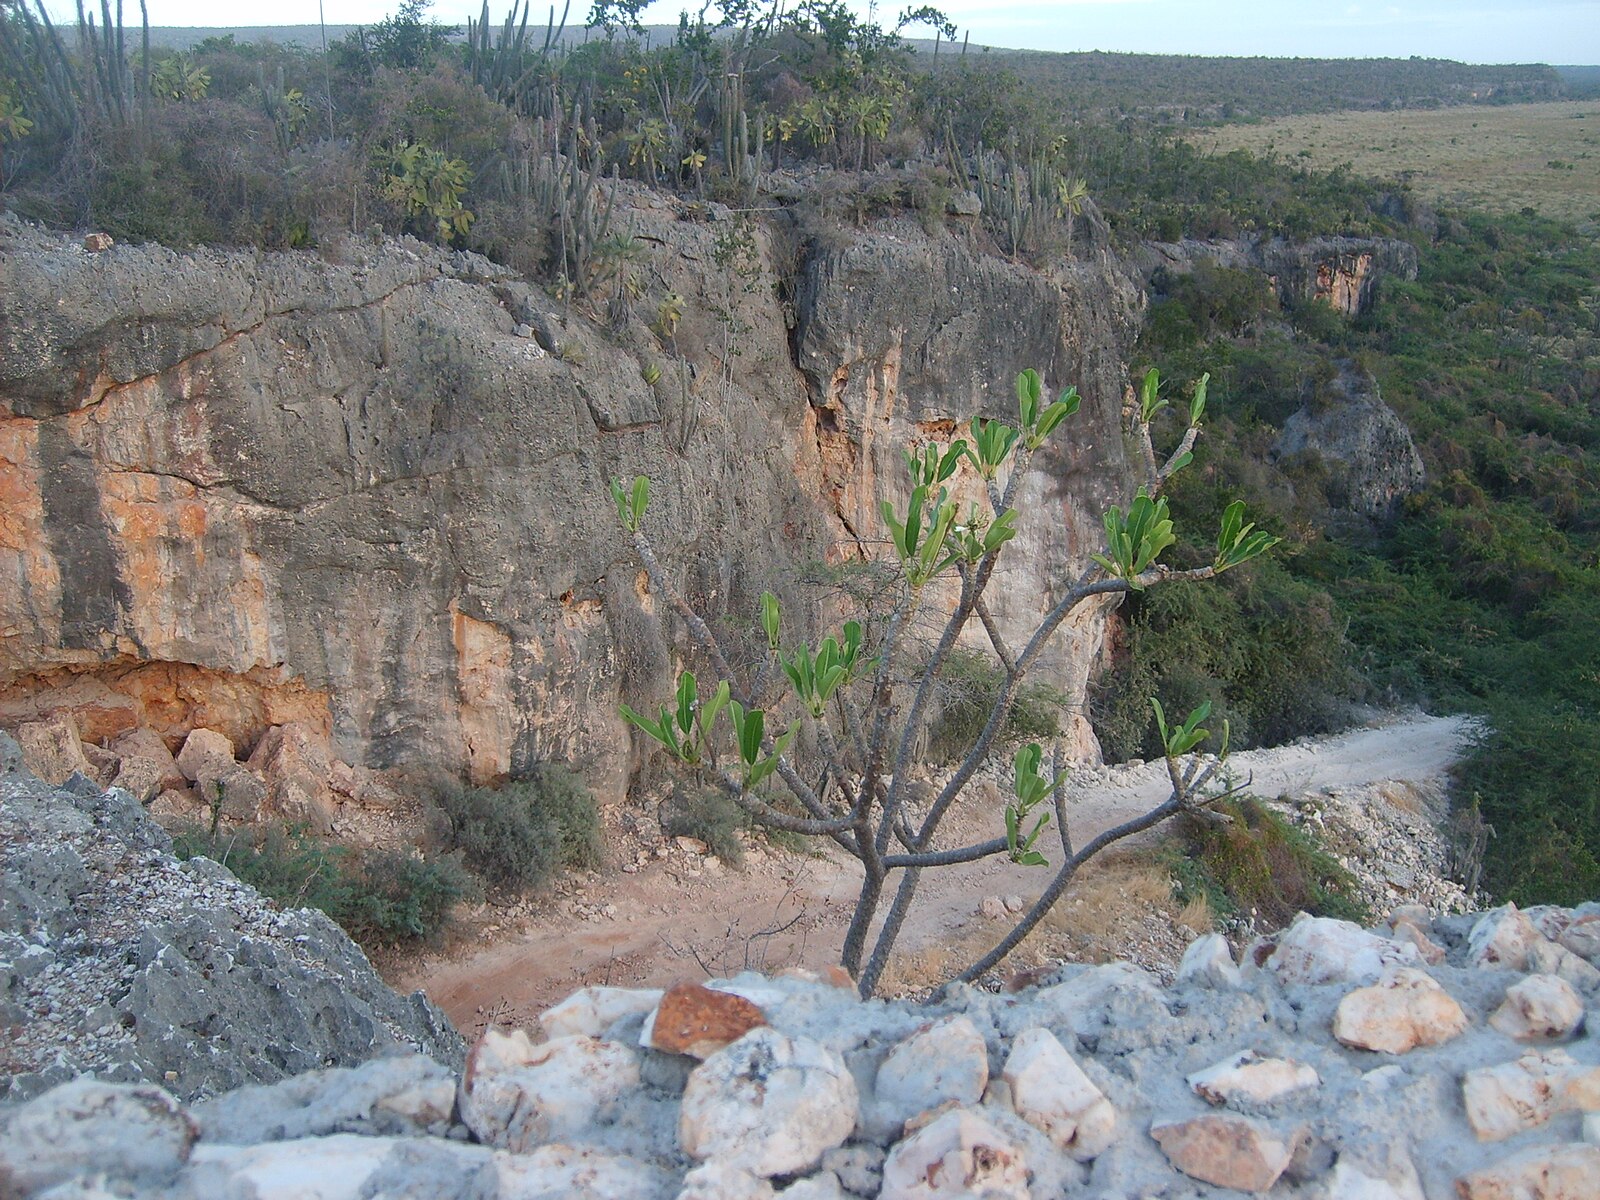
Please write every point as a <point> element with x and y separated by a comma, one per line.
<point>850,692</point>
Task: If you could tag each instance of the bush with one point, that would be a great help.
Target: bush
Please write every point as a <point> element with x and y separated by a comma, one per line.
<point>1256,862</point>
<point>381,898</point>
<point>968,689</point>
<point>710,815</point>
<point>516,836</point>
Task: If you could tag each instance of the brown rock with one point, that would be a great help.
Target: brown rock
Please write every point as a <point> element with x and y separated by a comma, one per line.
<point>1407,930</point>
<point>699,1021</point>
<point>1568,1172</point>
<point>203,747</point>
<point>1229,1151</point>
<point>175,806</point>
<point>94,243</point>
<point>1404,1009</point>
<point>145,765</point>
<point>52,750</point>
<point>294,762</point>
<point>103,763</point>
<point>240,793</point>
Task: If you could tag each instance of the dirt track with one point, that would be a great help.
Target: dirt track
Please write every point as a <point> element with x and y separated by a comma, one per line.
<point>685,916</point>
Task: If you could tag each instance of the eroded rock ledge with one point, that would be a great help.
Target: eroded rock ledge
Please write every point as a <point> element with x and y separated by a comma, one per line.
<point>1435,1056</point>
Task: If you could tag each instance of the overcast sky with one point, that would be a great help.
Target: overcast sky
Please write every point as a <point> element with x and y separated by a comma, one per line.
<point>1553,31</point>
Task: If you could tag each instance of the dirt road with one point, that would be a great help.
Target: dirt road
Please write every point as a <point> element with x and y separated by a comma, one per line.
<point>685,915</point>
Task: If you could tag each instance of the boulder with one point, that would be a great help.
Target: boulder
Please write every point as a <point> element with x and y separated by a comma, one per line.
<point>942,1062</point>
<point>770,1104</point>
<point>1394,1180</point>
<point>1552,958</point>
<point>1209,963</point>
<point>1540,1006</point>
<point>293,761</point>
<point>1406,930</point>
<point>130,1132</point>
<point>341,1167</point>
<point>1250,1078</point>
<point>1405,1009</point>
<point>1229,1151</point>
<point>201,748</point>
<point>52,749</point>
<point>1506,1099</point>
<point>1050,1091</point>
<point>960,1155</point>
<point>717,1180</point>
<point>1565,1172</point>
<point>1323,950</point>
<point>145,747</point>
<point>516,1096</point>
<point>699,1021</point>
<point>1582,936</point>
<point>1502,937</point>
<point>593,1010</point>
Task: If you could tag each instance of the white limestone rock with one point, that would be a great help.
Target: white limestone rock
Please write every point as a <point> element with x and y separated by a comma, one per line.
<point>946,1061</point>
<point>342,1166</point>
<point>590,1011</point>
<point>576,1173</point>
<point>1582,936</point>
<point>1405,1009</point>
<point>717,1180</point>
<point>1502,937</point>
<point>1050,1091</point>
<point>134,1132</point>
<point>1397,1180</point>
<point>1506,1099</point>
<point>516,1096</point>
<point>1317,950</point>
<point>1561,1172</point>
<point>1551,958</point>
<point>1209,963</point>
<point>1250,1078</point>
<point>956,1157</point>
<point>822,1186</point>
<point>1540,1006</point>
<point>1229,1151</point>
<point>768,1103</point>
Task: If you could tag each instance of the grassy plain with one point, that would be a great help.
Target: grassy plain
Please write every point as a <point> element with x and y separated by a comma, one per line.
<point>1499,158</point>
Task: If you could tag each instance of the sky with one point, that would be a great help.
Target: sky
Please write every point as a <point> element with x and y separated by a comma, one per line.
<point>1489,31</point>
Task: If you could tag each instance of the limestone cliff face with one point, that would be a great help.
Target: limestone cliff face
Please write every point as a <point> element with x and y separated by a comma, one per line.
<point>1345,272</point>
<point>366,489</point>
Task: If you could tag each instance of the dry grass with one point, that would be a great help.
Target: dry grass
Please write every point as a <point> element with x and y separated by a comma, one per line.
<point>1500,158</point>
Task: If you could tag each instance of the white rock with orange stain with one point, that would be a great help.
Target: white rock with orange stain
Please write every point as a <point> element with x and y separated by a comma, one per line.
<point>1506,1099</point>
<point>770,1104</point>
<point>1323,950</point>
<point>516,1095</point>
<point>1502,938</point>
<point>1229,1151</point>
<point>1050,1091</point>
<point>717,1180</point>
<point>1253,1079</point>
<point>946,1061</point>
<point>132,1132</point>
<point>1540,1006</point>
<point>52,749</point>
<point>958,1156</point>
<point>1562,1172</point>
<point>1405,1009</point>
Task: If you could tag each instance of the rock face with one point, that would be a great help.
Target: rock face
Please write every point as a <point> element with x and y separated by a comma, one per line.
<point>1104,1084</point>
<point>1367,448</point>
<point>117,958</point>
<point>1342,271</point>
<point>199,452</point>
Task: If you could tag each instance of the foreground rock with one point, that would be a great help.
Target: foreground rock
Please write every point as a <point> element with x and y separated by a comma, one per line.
<point>117,958</point>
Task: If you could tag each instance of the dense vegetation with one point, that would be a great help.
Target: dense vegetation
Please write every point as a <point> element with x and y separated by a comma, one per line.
<point>1481,595</point>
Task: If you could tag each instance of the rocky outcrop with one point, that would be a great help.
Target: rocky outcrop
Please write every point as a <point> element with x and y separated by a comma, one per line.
<point>1101,1084</point>
<point>364,492</point>
<point>1344,272</point>
<point>1368,450</point>
<point>117,958</point>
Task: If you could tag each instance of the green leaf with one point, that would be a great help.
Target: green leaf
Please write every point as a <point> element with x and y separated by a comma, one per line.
<point>769,619</point>
<point>709,714</point>
<point>1179,463</point>
<point>631,503</point>
<point>1150,401</point>
<point>1239,542</point>
<point>1197,403</point>
<point>688,701</point>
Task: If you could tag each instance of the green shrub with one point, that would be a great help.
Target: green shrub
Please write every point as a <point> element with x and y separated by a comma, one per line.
<point>969,686</point>
<point>516,836</point>
<point>710,815</point>
<point>381,898</point>
<point>1257,862</point>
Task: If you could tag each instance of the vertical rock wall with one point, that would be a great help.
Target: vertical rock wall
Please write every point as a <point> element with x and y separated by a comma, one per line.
<point>365,489</point>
